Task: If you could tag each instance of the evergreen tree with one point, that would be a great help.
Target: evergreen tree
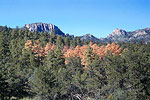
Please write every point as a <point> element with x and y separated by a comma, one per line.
<point>138,59</point>
<point>59,41</point>
<point>77,79</point>
<point>49,78</point>
<point>67,41</point>
<point>43,83</point>
<point>4,59</point>
<point>76,41</point>
<point>53,37</point>
<point>43,38</point>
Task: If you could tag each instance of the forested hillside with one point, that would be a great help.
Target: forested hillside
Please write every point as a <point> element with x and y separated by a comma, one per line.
<point>43,66</point>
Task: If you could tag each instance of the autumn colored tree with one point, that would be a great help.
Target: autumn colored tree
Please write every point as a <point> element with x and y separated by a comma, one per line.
<point>80,51</point>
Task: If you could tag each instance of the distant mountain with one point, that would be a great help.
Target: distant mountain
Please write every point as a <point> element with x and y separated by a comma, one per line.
<point>43,27</point>
<point>120,35</point>
<point>89,37</point>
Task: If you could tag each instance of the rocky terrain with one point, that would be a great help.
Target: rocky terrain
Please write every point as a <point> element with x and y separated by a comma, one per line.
<point>43,27</point>
<point>120,35</point>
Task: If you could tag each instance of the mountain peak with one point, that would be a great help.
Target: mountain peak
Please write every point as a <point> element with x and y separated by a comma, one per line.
<point>147,28</point>
<point>38,23</point>
<point>120,35</point>
<point>118,29</point>
<point>43,27</point>
<point>89,37</point>
<point>117,32</point>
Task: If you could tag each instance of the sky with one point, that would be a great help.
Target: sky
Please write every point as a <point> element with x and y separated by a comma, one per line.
<point>78,17</point>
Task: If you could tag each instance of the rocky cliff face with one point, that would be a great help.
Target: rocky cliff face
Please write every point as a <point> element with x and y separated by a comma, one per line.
<point>119,35</point>
<point>43,27</point>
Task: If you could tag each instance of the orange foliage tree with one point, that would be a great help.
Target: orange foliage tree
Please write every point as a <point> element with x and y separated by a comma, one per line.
<point>39,51</point>
<point>78,51</point>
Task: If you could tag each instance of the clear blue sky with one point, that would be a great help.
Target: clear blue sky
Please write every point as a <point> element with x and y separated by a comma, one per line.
<point>78,17</point>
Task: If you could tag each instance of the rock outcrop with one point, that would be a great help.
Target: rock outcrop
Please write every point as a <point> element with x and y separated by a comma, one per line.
<point>43,27</point>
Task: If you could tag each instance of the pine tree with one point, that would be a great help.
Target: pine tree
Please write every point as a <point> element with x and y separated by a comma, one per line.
<point>43,83</point>
<point>77,78</point>
<point>67,41</point>
<point>76,41</point>
<point>89,56</point>
<point>137,59</point>
<point>59,41</point>
<point>49,77</point>
<point>43,38</point>
<point>4,60</point>
<point>53,37</point>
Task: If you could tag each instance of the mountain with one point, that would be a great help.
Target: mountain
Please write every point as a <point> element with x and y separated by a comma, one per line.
<point>89,37</point>
<point>43,27</point>
<point>120,35</point>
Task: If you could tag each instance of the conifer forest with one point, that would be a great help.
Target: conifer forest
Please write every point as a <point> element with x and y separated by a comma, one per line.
<point>43,66</point>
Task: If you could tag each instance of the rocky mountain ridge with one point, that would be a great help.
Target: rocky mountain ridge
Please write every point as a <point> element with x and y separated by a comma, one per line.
<point>118,35</point>
<point>89,37</point>
<point>43,27</point>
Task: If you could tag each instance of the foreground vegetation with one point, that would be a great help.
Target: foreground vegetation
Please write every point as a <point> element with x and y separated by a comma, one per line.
<point>37,66</point>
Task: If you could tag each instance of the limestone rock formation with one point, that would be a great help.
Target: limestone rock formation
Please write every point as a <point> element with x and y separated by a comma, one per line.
<point>43,27</point>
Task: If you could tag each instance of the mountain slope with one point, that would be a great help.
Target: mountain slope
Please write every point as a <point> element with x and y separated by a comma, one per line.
<point>89,37</point>
<point>43,27</point>
<point>120,35</point>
